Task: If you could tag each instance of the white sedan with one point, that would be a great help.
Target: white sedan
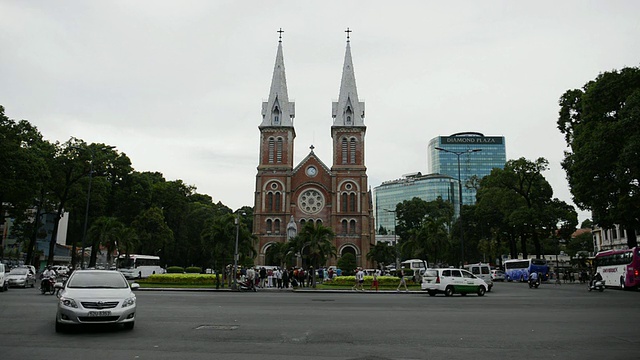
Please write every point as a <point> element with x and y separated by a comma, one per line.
<point>96,297</point>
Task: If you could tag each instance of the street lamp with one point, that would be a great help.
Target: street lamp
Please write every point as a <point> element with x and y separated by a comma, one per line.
<point>86,210</point>
<point>395,239</point>
<point>457,154</point>
<point>235,257</point>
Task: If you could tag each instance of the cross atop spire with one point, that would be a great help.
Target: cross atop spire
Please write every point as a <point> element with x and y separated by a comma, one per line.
<point>280,34</point>
<point>348,34</point>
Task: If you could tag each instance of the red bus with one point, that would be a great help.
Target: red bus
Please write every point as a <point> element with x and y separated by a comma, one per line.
<point>619,268</point>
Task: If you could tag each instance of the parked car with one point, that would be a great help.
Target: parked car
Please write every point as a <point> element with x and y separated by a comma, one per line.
<point>497,275</point>
<point>452,281</point>
<point>96,297</point>
<point>4,285</point>
<point>483,271</point>
<point>61,269</point>
<point>31,268</point>
<point>20,276</point>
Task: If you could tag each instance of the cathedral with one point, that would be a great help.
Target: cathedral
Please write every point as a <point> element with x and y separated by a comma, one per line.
<point>289,195</point>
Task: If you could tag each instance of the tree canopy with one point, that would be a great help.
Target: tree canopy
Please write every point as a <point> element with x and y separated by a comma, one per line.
<point>601,125</point>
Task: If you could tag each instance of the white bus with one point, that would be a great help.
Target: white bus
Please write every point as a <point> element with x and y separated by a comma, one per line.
<point>139,266</point>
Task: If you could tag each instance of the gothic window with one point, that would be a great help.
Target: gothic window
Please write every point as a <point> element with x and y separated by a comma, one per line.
<point>347,116</point>
<point>302,222</point>
<point>269,201</point>
<point>352,226</point>
<point>318,222</point>
<point>276,226</point>
<point>278,200</point>
<point>276,116</point>
<point>344,151</point>
<point>269,225</point>
<point>344,226</point>
<point>352,150</point>
<point>279,150</point>
<point>344,202</point>
<point>352,202</point>
<point>271,150</point>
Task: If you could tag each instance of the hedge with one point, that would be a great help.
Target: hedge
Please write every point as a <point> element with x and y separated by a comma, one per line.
<point>382,280</point>
<point>193,270</point>
<point>182,279</point>
<point>175,270</point>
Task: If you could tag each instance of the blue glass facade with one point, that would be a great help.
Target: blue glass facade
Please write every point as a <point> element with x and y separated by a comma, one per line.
<point>425,187</point>
<point>479,164</point>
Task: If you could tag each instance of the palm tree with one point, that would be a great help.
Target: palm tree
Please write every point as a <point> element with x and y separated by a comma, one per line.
<point>316,241</point>
<point>104,231</point>
<point>382,253</point>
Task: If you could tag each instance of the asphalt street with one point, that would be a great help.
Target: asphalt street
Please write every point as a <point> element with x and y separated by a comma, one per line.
<point>512,321</point>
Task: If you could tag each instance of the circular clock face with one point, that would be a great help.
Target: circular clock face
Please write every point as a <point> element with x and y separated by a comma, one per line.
<point>312,171</point>
<point>311,201</point>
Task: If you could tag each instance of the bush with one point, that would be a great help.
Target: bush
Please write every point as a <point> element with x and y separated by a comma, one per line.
<point>193,270</point>
<point>182,279</point>
<point>382,280</point>
<point>175,270</point>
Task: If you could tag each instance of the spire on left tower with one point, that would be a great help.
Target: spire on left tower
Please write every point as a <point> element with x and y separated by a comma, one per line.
<point>278,111</point>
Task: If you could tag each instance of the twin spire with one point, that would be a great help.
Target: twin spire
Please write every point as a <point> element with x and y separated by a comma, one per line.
<point>347,111</point>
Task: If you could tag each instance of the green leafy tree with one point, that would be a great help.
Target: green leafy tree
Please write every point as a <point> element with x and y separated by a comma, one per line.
<point>601,125</point>
<point>347,263</point>
<point>154,234</point>
<point>105,231</point>
<point>382,253</point>
<point>315,244</point>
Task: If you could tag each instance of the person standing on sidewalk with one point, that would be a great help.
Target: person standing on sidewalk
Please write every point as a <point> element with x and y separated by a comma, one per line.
<point>403,282</point>
<point>359,279</point>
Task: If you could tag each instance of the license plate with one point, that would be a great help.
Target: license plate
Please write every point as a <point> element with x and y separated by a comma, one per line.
<point>99,313</point>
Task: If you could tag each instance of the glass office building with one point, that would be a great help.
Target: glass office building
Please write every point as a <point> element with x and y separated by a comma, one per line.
<point>465,146</point>
<point>425,187</point>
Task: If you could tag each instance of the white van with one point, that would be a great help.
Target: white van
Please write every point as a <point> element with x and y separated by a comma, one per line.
<point>483,271</point>
<point>4,284</point>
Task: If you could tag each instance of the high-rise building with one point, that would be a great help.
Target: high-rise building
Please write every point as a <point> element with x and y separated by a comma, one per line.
<point>287,196</point>
<point>425,187</point>
<point>460,147</point>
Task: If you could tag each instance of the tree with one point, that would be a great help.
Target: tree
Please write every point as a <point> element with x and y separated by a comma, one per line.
<point>315,244</point>
<point>347,263</point>
<point>601,125</point>
<point>153,232</point>
<point>522,198</point>
<point>382,253</point>
<point>105,231</point>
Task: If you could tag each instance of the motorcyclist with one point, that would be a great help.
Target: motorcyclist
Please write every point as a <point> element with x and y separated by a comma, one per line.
<point>251,277</point>
<point>597,277</point>
<point>47,275</point>
<point>533,277</point>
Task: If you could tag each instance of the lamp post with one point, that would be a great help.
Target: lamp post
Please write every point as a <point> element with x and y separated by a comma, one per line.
<point>395,238</point>
<point>86,210</point>
<point>457,154</point>
<point>235,256</point>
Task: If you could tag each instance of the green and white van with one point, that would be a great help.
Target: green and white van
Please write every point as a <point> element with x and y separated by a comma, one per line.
<point>452,281</point>
<point>4,284</point>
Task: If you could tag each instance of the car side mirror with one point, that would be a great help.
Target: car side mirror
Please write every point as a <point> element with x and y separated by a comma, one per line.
<point>135,286</point>
<point>58,285</point>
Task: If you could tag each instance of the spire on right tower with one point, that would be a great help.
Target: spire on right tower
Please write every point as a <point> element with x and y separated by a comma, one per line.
<point>348,111</point>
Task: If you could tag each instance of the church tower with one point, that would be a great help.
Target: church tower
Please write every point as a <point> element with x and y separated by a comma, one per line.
<point>352,199</point>
<point>287,196</point>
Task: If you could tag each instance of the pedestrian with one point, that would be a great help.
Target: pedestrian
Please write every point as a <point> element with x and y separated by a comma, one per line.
<point>403,282</point>
<point>263,277</point>
<point>278,275</point>
<point>374,283</point>
<point>359,280</point>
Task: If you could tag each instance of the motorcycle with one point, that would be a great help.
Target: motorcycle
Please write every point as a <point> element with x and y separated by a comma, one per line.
<point>47,285</point>
<point>597,285</point>
<point>534,283</point>
<point>246,286</point>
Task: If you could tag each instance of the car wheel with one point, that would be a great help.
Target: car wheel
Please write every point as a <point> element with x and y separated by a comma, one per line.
<point>432,293</point>
<point>129,325</point>
<point>448,291</point>
<point>60,327</point>
<point>481,290</point>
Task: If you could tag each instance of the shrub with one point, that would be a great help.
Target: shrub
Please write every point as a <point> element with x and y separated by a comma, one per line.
<point>382,280</point>
<point>182,279</point>
<point>175,270</point>
<point>193,270</point>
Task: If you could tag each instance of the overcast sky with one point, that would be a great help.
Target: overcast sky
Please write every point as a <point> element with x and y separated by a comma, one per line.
<point>178,85</point>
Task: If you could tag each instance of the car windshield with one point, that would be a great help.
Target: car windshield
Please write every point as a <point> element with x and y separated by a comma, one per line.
<point>19,271</point>
<point>98,280</point>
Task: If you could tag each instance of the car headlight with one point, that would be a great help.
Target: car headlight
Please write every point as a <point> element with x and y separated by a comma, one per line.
<point>129,301</point>
<point>68,302</point>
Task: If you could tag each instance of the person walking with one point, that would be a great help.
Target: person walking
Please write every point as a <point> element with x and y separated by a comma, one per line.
<point>403,282</point>
<point>374,283</point>
<point>359,280</point>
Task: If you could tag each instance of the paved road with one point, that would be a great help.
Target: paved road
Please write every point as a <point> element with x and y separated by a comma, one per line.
<point>513,321</point>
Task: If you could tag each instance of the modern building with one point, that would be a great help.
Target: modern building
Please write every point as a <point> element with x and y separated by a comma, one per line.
<point>288,195</point>
<point>425,187</point>
<point>461,155</point>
